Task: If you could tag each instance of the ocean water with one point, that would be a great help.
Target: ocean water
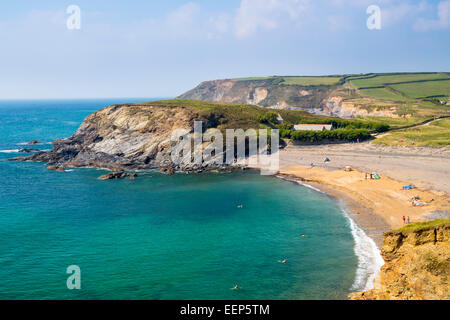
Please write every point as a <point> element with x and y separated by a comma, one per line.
<point>160,237</point>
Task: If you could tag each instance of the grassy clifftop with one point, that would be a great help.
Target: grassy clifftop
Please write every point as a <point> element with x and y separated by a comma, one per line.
<point>421,226</point>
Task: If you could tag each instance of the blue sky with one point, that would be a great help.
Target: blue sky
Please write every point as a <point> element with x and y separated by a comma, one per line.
<point>140,48</point>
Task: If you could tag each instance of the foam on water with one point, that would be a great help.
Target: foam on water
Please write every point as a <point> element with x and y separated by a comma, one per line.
<point>10,151</point>
<point>369,258</point>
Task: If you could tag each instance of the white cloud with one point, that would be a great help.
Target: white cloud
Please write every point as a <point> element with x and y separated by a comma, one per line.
<point>442,21</point>
<point>183,17</point>
<point>401,11</point>
<point>254,15</point>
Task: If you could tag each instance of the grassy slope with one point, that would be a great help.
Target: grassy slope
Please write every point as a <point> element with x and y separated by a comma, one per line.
<point>405,92</point>
<point>381,80</point>
<point>401,92</point>
<point>421,226</point>
<point>235,116</point>
<point>424,89</point>
<point>305,81</point>
<point>436,134</point>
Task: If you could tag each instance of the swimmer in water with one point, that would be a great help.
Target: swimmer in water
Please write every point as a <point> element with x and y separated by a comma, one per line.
<point>303,236</point>
<point>236,287</point>
<point>283,261</point>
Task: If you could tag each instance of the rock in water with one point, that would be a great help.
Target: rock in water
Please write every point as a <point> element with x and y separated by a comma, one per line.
<point>118,175</point>
<point>56,168</point>
<point>33,143</point>
<point>133,176</point>
<point>28,150</point>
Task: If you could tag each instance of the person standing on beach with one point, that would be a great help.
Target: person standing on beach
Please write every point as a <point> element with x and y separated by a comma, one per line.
<point>404,220</point>
<point>408,221</point>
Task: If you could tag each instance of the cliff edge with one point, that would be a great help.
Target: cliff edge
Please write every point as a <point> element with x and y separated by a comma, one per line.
<point>417,264</point>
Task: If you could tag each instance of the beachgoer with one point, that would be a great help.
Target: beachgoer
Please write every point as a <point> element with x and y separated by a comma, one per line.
<point>283,261</point>
<point>404,219</point>
<point>408,221</point>
<point>303,236</point>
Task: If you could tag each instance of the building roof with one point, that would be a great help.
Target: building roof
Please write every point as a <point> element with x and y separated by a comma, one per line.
<point>313,127</point>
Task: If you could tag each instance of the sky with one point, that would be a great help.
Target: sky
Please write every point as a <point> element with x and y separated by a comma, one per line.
<point>145,48</point>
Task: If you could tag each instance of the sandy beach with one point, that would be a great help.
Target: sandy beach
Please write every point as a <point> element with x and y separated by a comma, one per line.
<point>376,205</point>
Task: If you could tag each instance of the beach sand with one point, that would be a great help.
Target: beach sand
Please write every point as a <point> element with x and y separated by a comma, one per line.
<point>375,205</point>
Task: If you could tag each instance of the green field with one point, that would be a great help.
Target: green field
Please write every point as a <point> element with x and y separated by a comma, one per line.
<point>311,81</point>
<point>383,93</point>
<point>382,80</point>
<point>305,81</point>
<point>424,89</point>
<point>421,226</point>
<point>254,79</point>
<point>436,134</point>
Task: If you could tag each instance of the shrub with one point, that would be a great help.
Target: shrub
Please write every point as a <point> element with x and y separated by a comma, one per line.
<point>316,136</point>
<point>270,117</point>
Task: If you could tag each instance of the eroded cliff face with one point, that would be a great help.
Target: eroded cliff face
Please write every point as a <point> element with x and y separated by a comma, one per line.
<point>320,100</point>
<point>263,93</point>
<point>122,137</point>
<point>417,266</point>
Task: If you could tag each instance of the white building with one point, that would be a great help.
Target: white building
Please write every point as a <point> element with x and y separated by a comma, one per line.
<point>312,127</point>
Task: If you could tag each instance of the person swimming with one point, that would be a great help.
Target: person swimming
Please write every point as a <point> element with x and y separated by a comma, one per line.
<point>236,287</point>
<point>283,261</point>
<point>303,236</point>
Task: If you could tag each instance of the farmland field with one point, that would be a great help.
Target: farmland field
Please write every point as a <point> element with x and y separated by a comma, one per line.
<point>436,134</point>
<point>382,93</point>
<point>311,81</point>
<point>424,89</point>
<point>387,79</point>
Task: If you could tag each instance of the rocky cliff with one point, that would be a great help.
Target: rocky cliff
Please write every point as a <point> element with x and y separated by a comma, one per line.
<point>327,100</point>
<point>139,136</point>
<point>118,137</point>
<point>122,137</point>
<point>417,264</point>
<point>266,93</point>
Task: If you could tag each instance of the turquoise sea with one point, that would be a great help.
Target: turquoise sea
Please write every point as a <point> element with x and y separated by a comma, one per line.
<point>159,237</point>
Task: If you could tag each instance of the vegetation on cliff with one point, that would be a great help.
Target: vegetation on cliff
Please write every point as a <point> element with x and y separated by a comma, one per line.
<point>400,99</point>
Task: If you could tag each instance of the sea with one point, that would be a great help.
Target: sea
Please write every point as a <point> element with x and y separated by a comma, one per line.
<point>159,237</point>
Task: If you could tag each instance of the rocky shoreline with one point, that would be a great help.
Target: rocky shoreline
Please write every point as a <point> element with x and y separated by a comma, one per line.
<point>126,137</point>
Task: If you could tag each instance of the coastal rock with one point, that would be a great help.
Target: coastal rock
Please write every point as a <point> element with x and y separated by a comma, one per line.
<point>417,264</point>
<point>33,143</point>
<point>125,137</point>
<point>118,175</point>
<point>169,171</point>
<point>56,168</point>
<point>28,150</point>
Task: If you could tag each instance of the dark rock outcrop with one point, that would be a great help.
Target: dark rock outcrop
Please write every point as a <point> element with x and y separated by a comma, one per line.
<point>118,175</point>
<point>33,143</point>
<point>28,150</point>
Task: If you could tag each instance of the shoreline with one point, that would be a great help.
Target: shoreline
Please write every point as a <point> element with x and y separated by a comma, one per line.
<point>372,206</point>
<point>368,239</point>
<point>373,225</point>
